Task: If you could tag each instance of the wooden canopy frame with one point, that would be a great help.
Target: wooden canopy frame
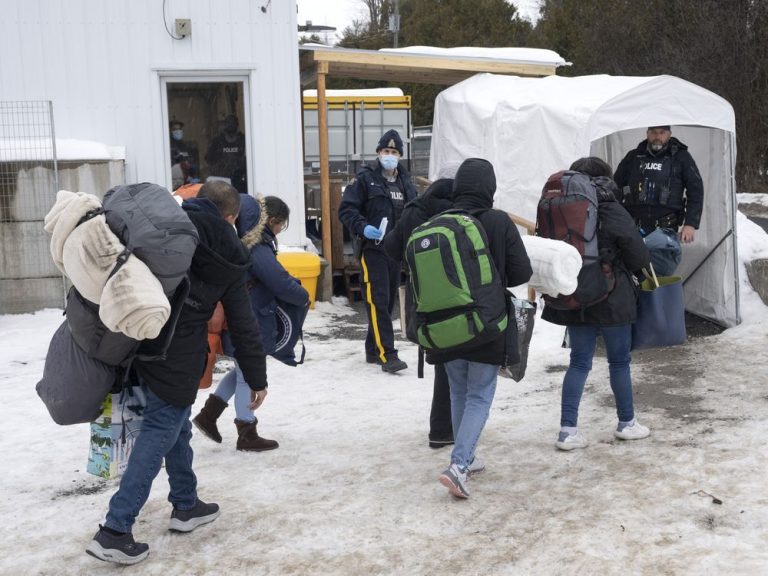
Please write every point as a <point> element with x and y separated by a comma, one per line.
<point>316,63</point>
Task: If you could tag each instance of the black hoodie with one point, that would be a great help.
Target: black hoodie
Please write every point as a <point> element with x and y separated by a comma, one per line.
<point>217,273</point>
<point>474,188</point>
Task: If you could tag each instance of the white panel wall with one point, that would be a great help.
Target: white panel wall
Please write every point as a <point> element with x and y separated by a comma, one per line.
<point>101,63</point>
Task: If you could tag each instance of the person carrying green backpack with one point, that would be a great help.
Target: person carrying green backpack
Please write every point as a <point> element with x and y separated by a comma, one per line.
<point>460,263</point>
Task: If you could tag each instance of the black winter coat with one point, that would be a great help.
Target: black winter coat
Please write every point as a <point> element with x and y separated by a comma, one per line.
<point>437,198</point>
<point>652,186</point>
<point>217,274</point>
<point>473,188</point>
<point>367,200</point>
<point>619,243</point>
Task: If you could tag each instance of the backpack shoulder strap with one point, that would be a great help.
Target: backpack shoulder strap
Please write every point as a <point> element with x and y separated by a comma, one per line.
<point>90,214</point>
<point>420,369</point>
<point>477,212</point>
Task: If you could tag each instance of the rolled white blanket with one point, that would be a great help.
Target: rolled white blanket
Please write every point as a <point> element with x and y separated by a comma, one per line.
<point>133,302</point>
<point>555,265</point>
<point>90,254</point>
<point>62,219</point>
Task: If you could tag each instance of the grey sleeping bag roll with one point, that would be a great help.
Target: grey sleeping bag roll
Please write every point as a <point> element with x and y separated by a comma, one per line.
<point>73,385</point>
<point>152,226</point>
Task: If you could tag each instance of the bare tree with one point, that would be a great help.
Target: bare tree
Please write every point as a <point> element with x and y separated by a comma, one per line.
<point>376,8</point>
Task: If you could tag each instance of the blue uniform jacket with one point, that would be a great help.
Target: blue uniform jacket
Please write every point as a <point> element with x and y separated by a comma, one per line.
<point>366,200</point>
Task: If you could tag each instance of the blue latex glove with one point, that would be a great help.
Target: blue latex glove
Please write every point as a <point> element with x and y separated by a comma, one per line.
<point>372,233</point>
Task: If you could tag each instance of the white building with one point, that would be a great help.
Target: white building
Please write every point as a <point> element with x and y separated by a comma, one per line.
<point>118,72</point>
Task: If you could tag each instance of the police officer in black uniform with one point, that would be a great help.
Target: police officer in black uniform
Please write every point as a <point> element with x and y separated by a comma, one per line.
<point>226,155</point>
<point>378,192</point>
<point>662,190</point>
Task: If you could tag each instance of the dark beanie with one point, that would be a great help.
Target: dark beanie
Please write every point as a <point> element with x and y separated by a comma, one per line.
<point>668,128</point>
<point>391,139</point>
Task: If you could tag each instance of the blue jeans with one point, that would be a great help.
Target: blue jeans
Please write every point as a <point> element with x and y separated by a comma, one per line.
<point>165,433</point>
<point>233,384</point>
<point>666,253</point>
<point>473,386</point>
<point>618,340</point>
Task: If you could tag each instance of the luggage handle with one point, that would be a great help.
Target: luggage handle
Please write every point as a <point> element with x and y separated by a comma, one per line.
<point>652,275</point>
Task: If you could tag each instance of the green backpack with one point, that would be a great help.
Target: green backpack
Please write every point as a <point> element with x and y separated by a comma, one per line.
<point>458,300</point>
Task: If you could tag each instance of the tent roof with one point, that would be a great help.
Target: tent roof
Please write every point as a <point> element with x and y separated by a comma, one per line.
<point>506,118</point>
<point>424,64</point>
<point>604,104</point>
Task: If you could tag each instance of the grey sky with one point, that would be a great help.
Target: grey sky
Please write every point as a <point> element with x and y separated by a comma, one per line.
<point>341,13</point>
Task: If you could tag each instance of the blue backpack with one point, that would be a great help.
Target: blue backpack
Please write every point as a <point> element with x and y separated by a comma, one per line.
<point>290,321</point>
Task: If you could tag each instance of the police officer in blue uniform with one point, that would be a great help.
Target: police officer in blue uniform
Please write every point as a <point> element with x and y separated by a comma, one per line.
<point>662,189</point>
<point>377,192</point>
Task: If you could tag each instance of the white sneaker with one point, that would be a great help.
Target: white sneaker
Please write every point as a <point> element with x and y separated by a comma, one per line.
<point>475,467</point>
<point>456,481</point>
<point>634,431</point>
<point>566,441</point>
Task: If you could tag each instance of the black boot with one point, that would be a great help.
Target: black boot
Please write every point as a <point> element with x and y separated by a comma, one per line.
<point>206,420</point>
<point>249,440</point>
<point>394,364</point>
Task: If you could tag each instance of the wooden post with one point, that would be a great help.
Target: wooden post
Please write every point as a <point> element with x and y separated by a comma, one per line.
<point>530,228</point>
<point>325,185</point>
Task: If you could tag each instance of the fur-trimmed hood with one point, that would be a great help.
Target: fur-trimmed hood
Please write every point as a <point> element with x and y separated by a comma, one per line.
<point>252,220</point>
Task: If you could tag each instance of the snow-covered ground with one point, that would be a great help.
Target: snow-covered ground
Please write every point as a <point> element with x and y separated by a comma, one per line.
<point>353,487</point>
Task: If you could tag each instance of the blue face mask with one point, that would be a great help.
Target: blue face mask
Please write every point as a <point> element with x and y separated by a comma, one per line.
<point>388,162</point>
<point>177,134</point>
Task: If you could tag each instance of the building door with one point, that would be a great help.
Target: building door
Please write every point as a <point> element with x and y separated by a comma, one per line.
<point>206,129</point>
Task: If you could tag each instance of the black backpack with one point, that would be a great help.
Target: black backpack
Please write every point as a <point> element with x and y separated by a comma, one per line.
<point>154,228</point>
<point>568,211</point>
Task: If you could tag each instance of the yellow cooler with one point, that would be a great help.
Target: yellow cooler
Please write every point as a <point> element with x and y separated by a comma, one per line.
<point>306,267</point>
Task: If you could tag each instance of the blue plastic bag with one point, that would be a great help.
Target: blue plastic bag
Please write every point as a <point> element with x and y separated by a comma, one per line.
<point>660,314</point>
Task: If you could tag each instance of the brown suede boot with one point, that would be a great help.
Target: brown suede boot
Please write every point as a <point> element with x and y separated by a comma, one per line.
<point>206,420</point>
<point>248,439</point>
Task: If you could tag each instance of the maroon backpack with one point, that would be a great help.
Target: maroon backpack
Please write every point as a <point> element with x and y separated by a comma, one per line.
<point>568,211</point>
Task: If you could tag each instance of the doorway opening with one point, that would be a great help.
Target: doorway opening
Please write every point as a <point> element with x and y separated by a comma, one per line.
<point>207,136</point>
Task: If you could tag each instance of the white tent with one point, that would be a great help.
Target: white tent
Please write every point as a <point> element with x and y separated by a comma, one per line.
<point>529,128</point>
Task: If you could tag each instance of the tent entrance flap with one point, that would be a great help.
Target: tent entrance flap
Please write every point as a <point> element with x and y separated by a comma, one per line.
<point>693,272</point>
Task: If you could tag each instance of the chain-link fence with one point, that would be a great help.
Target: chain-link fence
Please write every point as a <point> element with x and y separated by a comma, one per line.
<point>28,184</point>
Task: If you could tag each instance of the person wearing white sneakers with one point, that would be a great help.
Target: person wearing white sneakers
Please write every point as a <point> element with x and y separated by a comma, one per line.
<point>621,246</point>
<point>473,371</point>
